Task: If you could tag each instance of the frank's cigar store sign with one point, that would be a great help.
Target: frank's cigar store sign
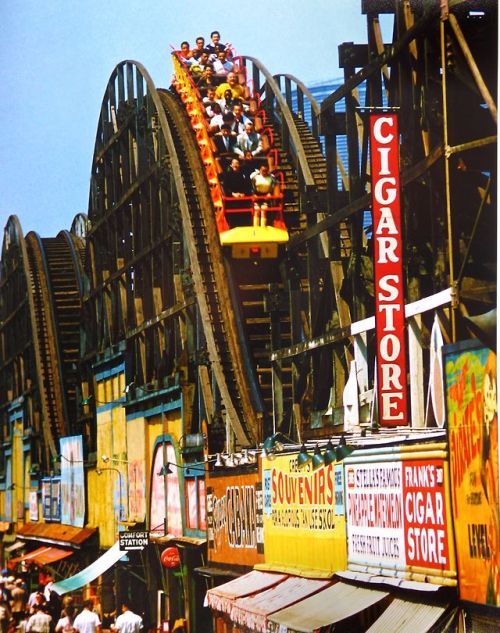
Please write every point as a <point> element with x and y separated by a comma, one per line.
<point>389,297</point>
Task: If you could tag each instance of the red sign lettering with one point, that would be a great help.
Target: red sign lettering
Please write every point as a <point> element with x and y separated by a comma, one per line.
<point>389,297</point>
<point>424,505</point>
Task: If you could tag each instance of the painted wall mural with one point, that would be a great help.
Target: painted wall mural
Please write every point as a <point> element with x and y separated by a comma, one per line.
<point>471,402</point>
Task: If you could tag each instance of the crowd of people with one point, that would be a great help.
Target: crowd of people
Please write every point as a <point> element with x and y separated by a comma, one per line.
<point>45,611</point>
<point>233,122</point>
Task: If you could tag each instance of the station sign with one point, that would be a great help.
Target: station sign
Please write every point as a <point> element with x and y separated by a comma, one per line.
<point>133,541</point>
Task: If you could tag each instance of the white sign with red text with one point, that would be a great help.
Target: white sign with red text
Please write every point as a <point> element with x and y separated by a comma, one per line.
<point>388,271</point>
<point>374,511</point>
<point>396,514</point>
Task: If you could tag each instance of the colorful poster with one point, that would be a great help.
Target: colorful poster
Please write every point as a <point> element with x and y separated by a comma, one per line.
<point>72,481</point>
<point>397,515</point>
<point>165,503</point>
<point>33,505</point>
<point>304,522</point>
<point>194,488</point>
<point>471,402</point>
<point>234,519</point>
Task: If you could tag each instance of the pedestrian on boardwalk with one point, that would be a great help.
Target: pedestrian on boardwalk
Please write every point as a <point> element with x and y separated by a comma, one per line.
<point>18,601</point>
<point>5,616</point>
<point>65,622</point>
<point>127,621</point>
<point>41,620</point>
<point>87,621</point>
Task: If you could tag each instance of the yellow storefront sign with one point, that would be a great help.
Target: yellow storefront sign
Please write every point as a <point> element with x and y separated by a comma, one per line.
<point>303,517</point>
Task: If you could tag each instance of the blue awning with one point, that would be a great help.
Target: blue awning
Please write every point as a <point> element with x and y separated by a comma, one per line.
<point>98,567</point>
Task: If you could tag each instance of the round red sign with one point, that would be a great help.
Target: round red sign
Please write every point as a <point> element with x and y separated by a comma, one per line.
<point>170,557</point>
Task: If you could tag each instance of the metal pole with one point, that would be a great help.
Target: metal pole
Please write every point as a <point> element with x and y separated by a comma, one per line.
<point>447,175</point>
<point>165,483</point>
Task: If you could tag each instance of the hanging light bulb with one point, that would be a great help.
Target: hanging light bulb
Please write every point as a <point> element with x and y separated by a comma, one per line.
<point>329,454</point>
<point>342,451</point>
<point>303,457</point>
<point>317,458</point>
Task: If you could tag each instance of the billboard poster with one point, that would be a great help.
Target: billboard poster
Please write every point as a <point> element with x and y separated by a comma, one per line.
<point>303,518</point>
<point>72,481</point>
<point>33,505</point>
<point>388,271</point>
<point>471,404</point>
<point>397,515</point>
<point>165,500</point>
<point>234,519</point>
<point>51,499</point>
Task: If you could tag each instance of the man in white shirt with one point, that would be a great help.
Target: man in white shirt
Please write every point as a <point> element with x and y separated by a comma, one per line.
<point>128,621</point>
<point>40,621</point>
<point>222,66</point>
<point>87,621</point>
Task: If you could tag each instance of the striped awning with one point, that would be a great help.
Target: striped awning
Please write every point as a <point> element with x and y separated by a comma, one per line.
<point>222,598</point>
<point>41,556</point>
<point>252,612</point>
<point>408,616</point>
<point>333,604</point>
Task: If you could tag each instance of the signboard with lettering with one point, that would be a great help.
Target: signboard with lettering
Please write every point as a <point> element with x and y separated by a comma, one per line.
<point>304,522</point>
<point>388,271</point>
<point>398,515</point>
<point>471,403</point>
<point>234,519</point>
<point>133,540</point>
<point>72,481</point>
<point>165,502</point>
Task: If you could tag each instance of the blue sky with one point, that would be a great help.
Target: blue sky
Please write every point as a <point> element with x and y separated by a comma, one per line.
<point>56,57</point>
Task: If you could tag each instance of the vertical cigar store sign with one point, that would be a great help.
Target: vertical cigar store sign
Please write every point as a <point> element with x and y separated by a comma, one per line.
<point>389,297</point>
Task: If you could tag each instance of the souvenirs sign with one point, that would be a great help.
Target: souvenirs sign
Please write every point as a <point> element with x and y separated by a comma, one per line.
<point>304,521</point>
<point>388,267</point>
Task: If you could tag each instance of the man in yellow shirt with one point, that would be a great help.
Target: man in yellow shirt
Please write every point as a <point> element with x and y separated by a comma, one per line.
<point>237,90</point>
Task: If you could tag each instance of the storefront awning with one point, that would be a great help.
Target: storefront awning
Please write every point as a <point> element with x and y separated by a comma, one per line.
<point>331,605</point>
<point>252,612</point>
<point>98,567</point>
<point>222,598</point>
<point>41,556</point>
<point>55,533</point>
<point>407,616</point>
